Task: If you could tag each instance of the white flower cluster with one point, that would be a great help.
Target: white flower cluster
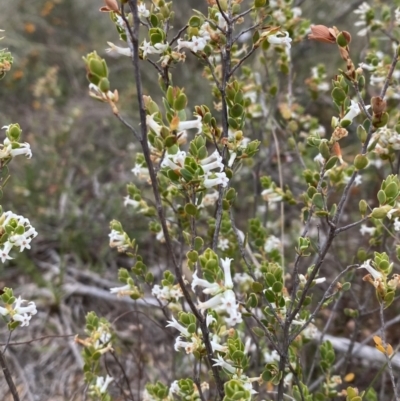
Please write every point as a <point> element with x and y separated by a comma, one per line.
<point>362,10</point>
<point>272,243</point>
<point>100,386</point>
<point>148,48</point>
<point>19,233</point>
<point>280,38</point>
<point>100,339</point>
<point>378,69</point>
<point>270,196</point>
<point>119,240</point>
<point>211,178</point>
<point>224,299</point>
<point>197,43</point>
<point>19,313</point>
<point>13,148</point>
<point>192,342</point>
<point>167,294</point>
<point>387,139</point>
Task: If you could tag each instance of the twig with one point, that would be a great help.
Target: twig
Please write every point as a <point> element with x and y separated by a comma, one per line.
<point>280,173</point>
<point>8,378</point>
<point>389,361</point>
<point>159,206</point>
<point>351,225</point>
<point>177,36</point>
<point>245,31</point>
<point>241,61</point>
<point>128,125</point>
<point>326,296</point>
<point>127,381</point>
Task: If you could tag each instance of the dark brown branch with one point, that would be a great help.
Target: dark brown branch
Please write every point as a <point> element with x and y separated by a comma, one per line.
<point>8,377</point>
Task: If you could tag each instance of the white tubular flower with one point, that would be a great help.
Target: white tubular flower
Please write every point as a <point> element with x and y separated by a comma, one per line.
<point>210,319</point>
<point>131,202</point>
<point>167,162</point>
<point>19,313</point>
<point>216,346</point>
<point>31,308</point>
<point>211,166</point>
<point>23,319</point>
<point>396,224</point>
<point>353,112</point>
<point>374,273</point>
<point>214,156</point>
<point>179,343</point>
<point>174,388</point>
<point>195,44</point>
<point>22,149</point>
<point>118,240</point>
<point>220,179</point>
<point>221,21</point>
<point>270,195</point>
<point>4,252</point>
<point>228,303</point>
<point>211,303</point>
<point>272,356</point>
<point>95,92</point>
<point>152,124</point>
<point>191,124</point>
<point>367,230</point>
<point>234,319</point>
<point>113,49</point>
<point>362,8</point>
<point>223,244</point>
<point>225,365</point>
<point>101,385</point>
<point>280,40</point>
<point>287,381</point>
<point>140,171</point>
<point>272,243</point>
<point>122,291</point>
<point>232,158</point>
<point>319,159</point>
<point>23,240</point>
<point>189,346</point>
<point>148,48</point>
<point>174,323</point>
<point>143,11</point>
<point>209,288</point>
<point>210,199</point>
<point>203,31</point>
<point>226,265</point>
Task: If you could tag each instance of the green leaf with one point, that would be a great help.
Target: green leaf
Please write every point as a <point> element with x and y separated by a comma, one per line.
<point>331,162</point>
<point>191,209</point>
<point>236,111</point>
<point>180,102</point>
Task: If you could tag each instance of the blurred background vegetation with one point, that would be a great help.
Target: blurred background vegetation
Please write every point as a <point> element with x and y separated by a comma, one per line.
<point>74,184</point>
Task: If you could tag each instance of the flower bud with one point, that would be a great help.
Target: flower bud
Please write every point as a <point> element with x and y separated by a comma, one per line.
<point>363,207</point>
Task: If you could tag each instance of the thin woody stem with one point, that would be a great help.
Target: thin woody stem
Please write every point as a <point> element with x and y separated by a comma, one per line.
<point>158,200</point>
